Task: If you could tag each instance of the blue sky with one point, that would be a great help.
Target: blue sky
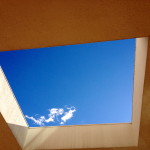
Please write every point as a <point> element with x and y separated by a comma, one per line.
<point>75,84</point>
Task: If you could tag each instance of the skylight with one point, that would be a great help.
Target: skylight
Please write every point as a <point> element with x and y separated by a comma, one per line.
<point>75,84</point>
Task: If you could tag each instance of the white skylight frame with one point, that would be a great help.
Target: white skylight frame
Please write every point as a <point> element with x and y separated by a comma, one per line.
<point>78,136</point>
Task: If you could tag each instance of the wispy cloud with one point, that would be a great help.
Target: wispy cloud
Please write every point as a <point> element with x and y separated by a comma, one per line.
<point>54,113</point>
<point>68,115</point>
<point>57,115</point>
<point>37,121</point>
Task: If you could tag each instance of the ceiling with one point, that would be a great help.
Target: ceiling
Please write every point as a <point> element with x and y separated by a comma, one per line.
<point>35,24</point>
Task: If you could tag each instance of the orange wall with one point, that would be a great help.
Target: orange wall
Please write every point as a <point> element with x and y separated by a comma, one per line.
<point>35,23</point>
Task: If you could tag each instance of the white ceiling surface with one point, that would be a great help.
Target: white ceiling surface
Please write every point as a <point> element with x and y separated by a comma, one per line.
<point>77,136</point>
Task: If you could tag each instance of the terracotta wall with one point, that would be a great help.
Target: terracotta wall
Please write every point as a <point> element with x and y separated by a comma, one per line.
<point>35,23</point>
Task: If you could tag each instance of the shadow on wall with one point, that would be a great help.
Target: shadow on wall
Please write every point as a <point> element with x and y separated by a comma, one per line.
<point>40,136</point>
<point>20,133</point>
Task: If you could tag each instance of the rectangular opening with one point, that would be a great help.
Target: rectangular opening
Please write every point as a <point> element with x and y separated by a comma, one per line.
<point>75,84</point>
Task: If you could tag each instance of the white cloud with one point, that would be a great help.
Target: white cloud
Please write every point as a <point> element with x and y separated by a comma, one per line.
<point>37,121</point>
<point>50,119</point>
<point>62,122</point>
<point>58,115</point>
<point>68,115</point>
<point>54,113</point>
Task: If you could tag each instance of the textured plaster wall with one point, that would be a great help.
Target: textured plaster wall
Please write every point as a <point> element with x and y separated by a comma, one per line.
<point>35,23</point>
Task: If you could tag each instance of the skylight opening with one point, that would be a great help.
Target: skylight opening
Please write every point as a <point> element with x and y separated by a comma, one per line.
<point>75,84</point>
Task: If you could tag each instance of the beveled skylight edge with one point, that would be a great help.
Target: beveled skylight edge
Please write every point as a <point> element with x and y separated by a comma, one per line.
<point>133,127</point>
